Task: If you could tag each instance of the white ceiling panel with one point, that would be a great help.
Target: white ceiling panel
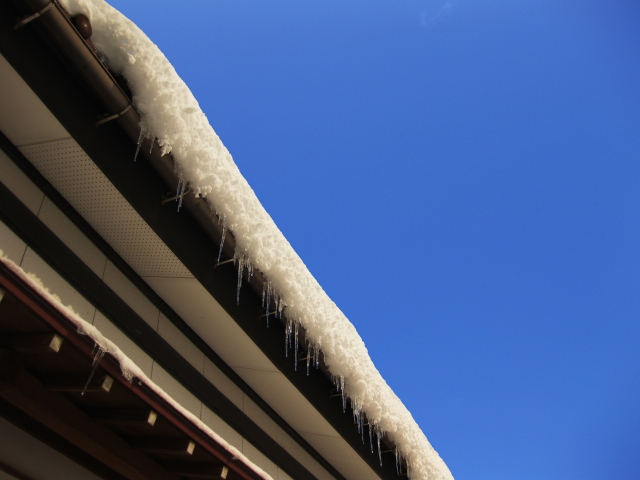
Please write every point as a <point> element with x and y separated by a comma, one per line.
<point>23,117</point>
<point>211,322</point>
<point>341,456</point>
<point>87,189</point>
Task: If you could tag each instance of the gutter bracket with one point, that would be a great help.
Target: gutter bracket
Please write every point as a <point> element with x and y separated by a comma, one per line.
<point>113,117</point>
<point>33,16</point>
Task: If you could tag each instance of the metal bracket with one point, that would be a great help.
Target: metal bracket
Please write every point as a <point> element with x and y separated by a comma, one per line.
<point>33,16</point>
<point>112,117</point>
<point>223,262</point>
<point>175,197</point>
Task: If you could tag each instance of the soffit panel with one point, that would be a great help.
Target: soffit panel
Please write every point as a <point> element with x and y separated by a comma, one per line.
<point>23,117</point>
<point>341,456</point>
<point>70,170</point>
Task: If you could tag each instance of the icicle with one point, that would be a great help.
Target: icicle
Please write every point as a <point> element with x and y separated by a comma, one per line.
<point>249,270</point>
<point>344,398</point>
<point>296,348</point>
<point>224,231</point>
<point>379,450</point>
<point>96,363</point>
<point>287,338</point>
<point>178,187</point>
<point>308,358</point>
<point>397,468</point>
<point>181,195</point>
<point>151,147</point>
<point>316,355</point>
<point>135,157</point>
<point>268,302</point>
<point>354,413</point>
<point>362,427</point>
<point>356,420</point>
<point>371,435</point>
<point>241,264</point>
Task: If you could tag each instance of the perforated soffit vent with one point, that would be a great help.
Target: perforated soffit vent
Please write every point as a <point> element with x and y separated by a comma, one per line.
<point>70,170</point>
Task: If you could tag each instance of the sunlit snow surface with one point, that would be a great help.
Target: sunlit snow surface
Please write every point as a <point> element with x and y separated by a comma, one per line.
<point>171,114</point>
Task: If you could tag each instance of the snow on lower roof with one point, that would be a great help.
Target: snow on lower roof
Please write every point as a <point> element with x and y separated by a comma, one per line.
<point>171,114</point>
<point>129,369</point>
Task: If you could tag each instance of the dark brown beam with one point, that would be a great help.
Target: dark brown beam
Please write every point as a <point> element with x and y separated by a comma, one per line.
<point>32,343</point>
<point>144,416</point>
<point>48,437</point>
<point>13,285</point>
<point>175,446</point>
<point>197,470</point>
<point>99,384</point>
<point>13,472</point>
<point>25,392</point>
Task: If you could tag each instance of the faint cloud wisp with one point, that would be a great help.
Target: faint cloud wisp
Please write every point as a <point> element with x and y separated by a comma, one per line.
<point>431,16</point>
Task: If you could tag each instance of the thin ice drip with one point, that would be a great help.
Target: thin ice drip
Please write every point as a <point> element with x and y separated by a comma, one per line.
<point>224,231</point>
<point>139,144</point>
<point>96,363</point>
<point>295,368</point>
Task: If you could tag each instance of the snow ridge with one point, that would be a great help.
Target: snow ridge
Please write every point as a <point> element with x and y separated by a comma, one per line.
<point>171,114</point>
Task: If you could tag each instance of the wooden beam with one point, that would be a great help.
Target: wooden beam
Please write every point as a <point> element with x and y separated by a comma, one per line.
<point>144,416</point>
<point>197,470</point>
<point>32,343</point>
<point>99,384</point>
<point>175,446</point>
<point>26,393</point>
<point>6,468</point>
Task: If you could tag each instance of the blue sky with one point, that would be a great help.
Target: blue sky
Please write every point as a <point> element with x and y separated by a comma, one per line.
<point>462,178</point>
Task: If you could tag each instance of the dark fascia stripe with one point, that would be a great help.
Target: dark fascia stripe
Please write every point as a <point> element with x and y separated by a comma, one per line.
<point>49,190</point>
<point>53,251</point>
<point>77,109</point>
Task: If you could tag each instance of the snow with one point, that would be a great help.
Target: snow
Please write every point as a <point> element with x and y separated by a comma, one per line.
<point>128,368</point>
<point>171,114</point>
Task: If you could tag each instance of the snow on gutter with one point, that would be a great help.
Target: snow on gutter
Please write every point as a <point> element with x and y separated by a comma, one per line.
<point>170,114</point>
<point>128,368</point>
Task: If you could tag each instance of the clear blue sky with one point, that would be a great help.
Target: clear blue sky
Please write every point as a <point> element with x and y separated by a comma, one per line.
<point>462,178</point>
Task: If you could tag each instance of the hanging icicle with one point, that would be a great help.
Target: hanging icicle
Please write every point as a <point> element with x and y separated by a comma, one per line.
<point>224,231</point>
<point>242,261</point>
<point>371,435</point>
<point>139,144</point>
<point>379,449</point>
<point>267,302</point>
<point>181,196</point>
<point>96,363</point>
<point>344,398</point>
<point>295,368</point>
<point>287,339</point>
